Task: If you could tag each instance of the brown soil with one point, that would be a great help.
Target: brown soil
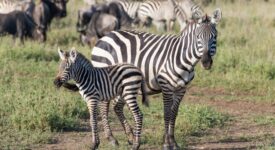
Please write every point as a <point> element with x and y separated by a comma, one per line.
<point>239,133</point>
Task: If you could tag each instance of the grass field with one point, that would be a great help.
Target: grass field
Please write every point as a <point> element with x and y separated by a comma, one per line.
<point>239,90</point>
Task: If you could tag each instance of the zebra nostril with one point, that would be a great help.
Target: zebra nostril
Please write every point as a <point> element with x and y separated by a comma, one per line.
<point>57,82</point>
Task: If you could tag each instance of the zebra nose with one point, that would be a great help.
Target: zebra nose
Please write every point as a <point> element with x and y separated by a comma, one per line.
<point>57,82</point>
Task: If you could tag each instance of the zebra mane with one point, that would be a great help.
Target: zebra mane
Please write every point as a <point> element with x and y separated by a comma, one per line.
<point>83,60</point>
<point>206,19</point>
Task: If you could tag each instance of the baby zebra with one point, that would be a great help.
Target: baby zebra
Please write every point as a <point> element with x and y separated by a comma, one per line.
<point>103,84</point>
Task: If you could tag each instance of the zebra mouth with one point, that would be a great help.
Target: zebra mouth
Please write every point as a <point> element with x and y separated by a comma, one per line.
<point>207,65</point>
<point>57,82</point>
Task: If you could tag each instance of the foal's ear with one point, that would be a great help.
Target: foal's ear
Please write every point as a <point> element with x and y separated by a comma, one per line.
<point>62,54</point>
<point>73,54</point>
<point>216,16</point>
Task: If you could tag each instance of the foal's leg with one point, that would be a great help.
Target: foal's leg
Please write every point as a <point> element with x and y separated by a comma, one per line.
<point>118,108</point>
<point>92,106</point>
<point>104,111</point>
<point>138,117</point>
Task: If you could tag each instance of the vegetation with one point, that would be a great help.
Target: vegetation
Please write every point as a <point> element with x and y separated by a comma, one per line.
<point>33,110</point>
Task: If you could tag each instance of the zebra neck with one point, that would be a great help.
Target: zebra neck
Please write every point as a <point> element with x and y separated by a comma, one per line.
<point>82,73</point>
<point>188,49</point>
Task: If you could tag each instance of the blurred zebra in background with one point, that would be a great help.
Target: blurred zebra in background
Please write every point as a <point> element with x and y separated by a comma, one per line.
<point>90,2</point>
<point>130,7</point>
<point>160,13</point>
<point>186,11</point>
<point>102,85</point>
<point>191,9</point>
<point>181,17</point>
<point>7,6</point>
<point>167,61</point>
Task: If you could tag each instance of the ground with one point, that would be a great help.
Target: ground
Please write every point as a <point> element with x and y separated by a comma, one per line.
<point>248,127</point>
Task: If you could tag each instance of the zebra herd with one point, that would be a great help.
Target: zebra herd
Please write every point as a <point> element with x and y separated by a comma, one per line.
<point>162,14</point>
<point>166,61</point>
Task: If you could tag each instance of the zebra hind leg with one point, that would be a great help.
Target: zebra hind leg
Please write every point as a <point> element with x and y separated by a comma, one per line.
<point>104,111</point>
<point>118,108</point>
<point>138,117</point>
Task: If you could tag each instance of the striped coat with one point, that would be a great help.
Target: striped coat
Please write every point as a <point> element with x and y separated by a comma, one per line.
<point>167,61</point>
<point>102,85</point>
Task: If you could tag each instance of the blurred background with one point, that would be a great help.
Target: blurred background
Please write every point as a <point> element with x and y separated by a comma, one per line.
<point>230,106</point>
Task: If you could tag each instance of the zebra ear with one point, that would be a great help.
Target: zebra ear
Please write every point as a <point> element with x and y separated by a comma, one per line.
<point>62,54</point>
<point>217,16</point>
<point>73,54</point>
<point>197,15</point>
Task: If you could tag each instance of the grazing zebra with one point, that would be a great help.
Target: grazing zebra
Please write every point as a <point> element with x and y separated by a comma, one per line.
<point>130,7</point>
<point>167,61</point>
<point>102,85</point>
<point>161,13</point>
<point>192,10</point>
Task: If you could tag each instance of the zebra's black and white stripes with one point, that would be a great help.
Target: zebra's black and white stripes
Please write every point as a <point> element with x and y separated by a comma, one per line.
<point>167,61</point>
<point>122,82</point>
<point>130,7</point>
<point>160,13</point>
<point>187,11</point>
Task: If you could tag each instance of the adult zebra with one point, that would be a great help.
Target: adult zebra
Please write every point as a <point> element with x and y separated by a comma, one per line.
<point>102,85</point>
<point>186,11</point>
<point>191,10</point>
<point>167,61</point>
<point>130,7</point>
<point>160,13</point>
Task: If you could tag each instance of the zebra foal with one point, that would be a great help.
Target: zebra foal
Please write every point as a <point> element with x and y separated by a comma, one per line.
<point>103,84</point>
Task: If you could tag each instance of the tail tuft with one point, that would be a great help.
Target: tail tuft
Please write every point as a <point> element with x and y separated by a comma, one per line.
<point>71,87</point>
<point>145,100</point>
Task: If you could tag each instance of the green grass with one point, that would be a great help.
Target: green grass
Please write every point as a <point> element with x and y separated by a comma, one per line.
<point>33,110</point>
<point>264,120</point>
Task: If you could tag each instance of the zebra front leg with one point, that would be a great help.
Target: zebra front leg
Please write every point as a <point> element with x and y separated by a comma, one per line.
<point>174,112</point>
<point>104,111</point>
<point>138,117</point>
<point>167,102</point>
<point>92,106</point>
<point>118,108</point>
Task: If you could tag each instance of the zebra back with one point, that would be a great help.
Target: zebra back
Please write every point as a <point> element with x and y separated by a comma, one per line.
<point>130,7</point>
<point>157,10</point>
<point>192,10</point>
<point>7,6</point>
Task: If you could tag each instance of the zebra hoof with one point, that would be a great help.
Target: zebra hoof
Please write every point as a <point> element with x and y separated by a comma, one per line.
<point>130,142</point>
<point>113,141</point>
<point>166,147</point>
<point>135,146</point>
<point>94,146</point>
<point>175,147</point>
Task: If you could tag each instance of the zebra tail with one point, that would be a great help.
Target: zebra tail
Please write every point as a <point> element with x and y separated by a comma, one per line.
<point>71,87</point>
<point>144,95</point>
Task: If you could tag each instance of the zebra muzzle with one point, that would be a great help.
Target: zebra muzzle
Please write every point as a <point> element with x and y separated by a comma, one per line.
<point>57,82</point>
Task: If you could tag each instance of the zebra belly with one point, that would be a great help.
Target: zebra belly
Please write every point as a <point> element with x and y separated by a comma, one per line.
<point>103,58</point>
